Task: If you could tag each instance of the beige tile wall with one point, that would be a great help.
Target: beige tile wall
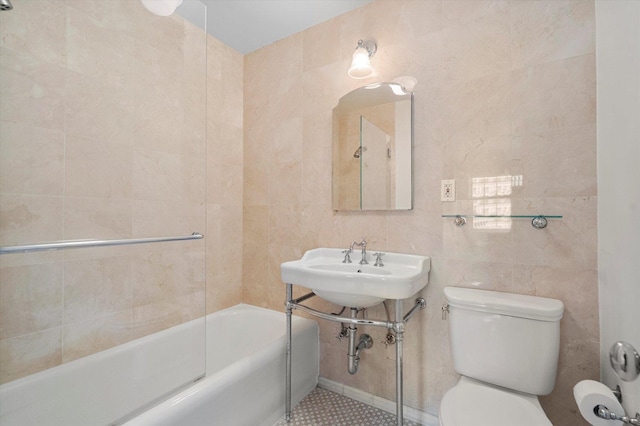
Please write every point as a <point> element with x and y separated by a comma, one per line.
<point>505,88</point>
<point>115,123</point>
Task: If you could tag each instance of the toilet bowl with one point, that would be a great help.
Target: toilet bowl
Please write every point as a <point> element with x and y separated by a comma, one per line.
<point>505,347</point>
<point>473,403</point>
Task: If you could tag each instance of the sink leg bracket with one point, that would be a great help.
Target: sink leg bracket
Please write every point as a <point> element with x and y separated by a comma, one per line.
<point>398,326</point>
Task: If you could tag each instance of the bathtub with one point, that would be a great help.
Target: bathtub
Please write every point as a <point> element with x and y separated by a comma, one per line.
<point>244,382</point>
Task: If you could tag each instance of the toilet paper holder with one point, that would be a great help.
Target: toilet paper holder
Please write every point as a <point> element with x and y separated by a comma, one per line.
<point>625,361</point>
<point>604,413</point>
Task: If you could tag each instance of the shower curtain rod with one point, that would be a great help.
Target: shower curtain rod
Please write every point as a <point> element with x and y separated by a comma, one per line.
<point>61,245</point>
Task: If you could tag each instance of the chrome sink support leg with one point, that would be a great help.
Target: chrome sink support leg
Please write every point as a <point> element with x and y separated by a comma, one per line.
<point>288,368</point>
<point>352,356</point>
<point>399,329</point>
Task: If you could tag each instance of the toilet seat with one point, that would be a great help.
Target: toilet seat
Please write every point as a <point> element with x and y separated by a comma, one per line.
<point>474,403</point>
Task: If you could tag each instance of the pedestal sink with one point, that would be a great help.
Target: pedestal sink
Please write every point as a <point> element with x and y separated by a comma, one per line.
<point>355,285</point>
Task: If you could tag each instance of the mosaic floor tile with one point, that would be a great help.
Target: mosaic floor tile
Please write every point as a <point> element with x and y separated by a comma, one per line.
<point>325,408</point>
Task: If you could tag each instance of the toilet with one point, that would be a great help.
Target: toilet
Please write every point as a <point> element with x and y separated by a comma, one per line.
<point>505,347</point>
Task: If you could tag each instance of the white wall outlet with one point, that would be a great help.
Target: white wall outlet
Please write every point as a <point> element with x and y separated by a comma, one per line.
<point>448,190</point>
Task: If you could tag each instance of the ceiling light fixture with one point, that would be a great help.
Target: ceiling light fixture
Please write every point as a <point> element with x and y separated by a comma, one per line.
<point>361,65</point>
<point>161,7</point>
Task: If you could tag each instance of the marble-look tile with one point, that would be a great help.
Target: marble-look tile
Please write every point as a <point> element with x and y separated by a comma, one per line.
<point>213,242</point>
<point>160,175</point>
<point>31,159</point>
<point>570,242</point>
<point>231,238</point>
<point>478,48</point>
<point>88,98</point>
<point>416,233</point>
<point>96,49</point>
<point>160,315</point>
<point>222,292</point>
<point>97,334</point>
<point>157,218</point>
<point>319,89</point>
<point>30,299</point>
<point>26,219</point>
<point>255,191</point>
<point>577,289</point>
<point>32,92</point>
<point>98,167</point>
<point>166,275</point>
<point>30,353</point>
<point>254,247</point>
<point>320,228</point>
<point>231,138</point>
<point>159,33</point>
<point>319,45</point>
<point>28,259</point>
<point>95,288</point>
<point>483,276</point>
<point>478,165</point>
<point>480,240</point>
<point>118,15</point>
<point>569,171</point>
<point>553,95</point>
<point>462,13</point>
<point>579,360</point>
<point>316,158</point>
<point>475,110</point>
<point>36,30</point>
<point>285,225</point>
<point>99,218</point>
<point>546,31</point>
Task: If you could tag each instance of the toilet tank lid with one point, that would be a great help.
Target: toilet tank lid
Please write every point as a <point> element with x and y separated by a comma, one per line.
<point>516,305</point>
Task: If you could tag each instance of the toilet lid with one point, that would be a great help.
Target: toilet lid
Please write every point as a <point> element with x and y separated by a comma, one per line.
<point>471,403</point>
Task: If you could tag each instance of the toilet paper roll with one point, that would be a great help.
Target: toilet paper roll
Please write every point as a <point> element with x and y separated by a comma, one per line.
<point>589,394</point>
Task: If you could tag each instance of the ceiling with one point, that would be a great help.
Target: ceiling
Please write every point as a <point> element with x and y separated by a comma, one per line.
<point>247,25</point>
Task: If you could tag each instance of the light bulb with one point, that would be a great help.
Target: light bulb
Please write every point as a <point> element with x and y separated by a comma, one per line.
<point>360,65</point>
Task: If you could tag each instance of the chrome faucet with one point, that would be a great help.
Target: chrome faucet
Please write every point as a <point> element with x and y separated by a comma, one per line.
<point>362,244</point>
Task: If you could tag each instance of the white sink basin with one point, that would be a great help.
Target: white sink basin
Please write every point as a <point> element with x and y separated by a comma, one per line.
<point>354,285</point>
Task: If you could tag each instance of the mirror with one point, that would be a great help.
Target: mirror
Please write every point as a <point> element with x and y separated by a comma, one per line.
<point>372,144</point>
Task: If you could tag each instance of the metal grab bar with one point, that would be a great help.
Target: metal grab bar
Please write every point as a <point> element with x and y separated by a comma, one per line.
<point>61,245</point>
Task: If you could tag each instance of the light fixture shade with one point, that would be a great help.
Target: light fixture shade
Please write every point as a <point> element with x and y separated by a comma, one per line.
<point>360,65</point>
<point>161,7</point>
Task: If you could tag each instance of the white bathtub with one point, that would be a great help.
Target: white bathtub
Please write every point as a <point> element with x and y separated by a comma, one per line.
<point>244,382</point>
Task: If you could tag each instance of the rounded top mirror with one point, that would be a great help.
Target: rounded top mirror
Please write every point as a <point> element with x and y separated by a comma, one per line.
<point>372,149</point>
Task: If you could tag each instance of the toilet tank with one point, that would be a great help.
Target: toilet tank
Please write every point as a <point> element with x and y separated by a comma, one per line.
<point>509,340</point>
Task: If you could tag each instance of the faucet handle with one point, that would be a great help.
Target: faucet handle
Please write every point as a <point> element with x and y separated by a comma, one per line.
<point>378,259</point>
<point>347,257</point>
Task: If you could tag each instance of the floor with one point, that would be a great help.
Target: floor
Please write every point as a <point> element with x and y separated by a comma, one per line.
<point>325,408</point>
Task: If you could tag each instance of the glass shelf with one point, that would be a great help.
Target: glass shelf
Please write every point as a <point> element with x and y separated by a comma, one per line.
<point>537,221</point>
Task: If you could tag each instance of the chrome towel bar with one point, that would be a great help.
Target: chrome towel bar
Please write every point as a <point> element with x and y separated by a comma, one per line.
<point>61,245</point>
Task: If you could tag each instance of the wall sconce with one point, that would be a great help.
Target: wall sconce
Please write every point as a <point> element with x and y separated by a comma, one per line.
<point>361,65</point>
<point>161,7</point>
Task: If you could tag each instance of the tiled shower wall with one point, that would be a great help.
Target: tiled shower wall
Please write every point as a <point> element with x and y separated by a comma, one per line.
<point>115,123</point>
<point>505,104</point>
